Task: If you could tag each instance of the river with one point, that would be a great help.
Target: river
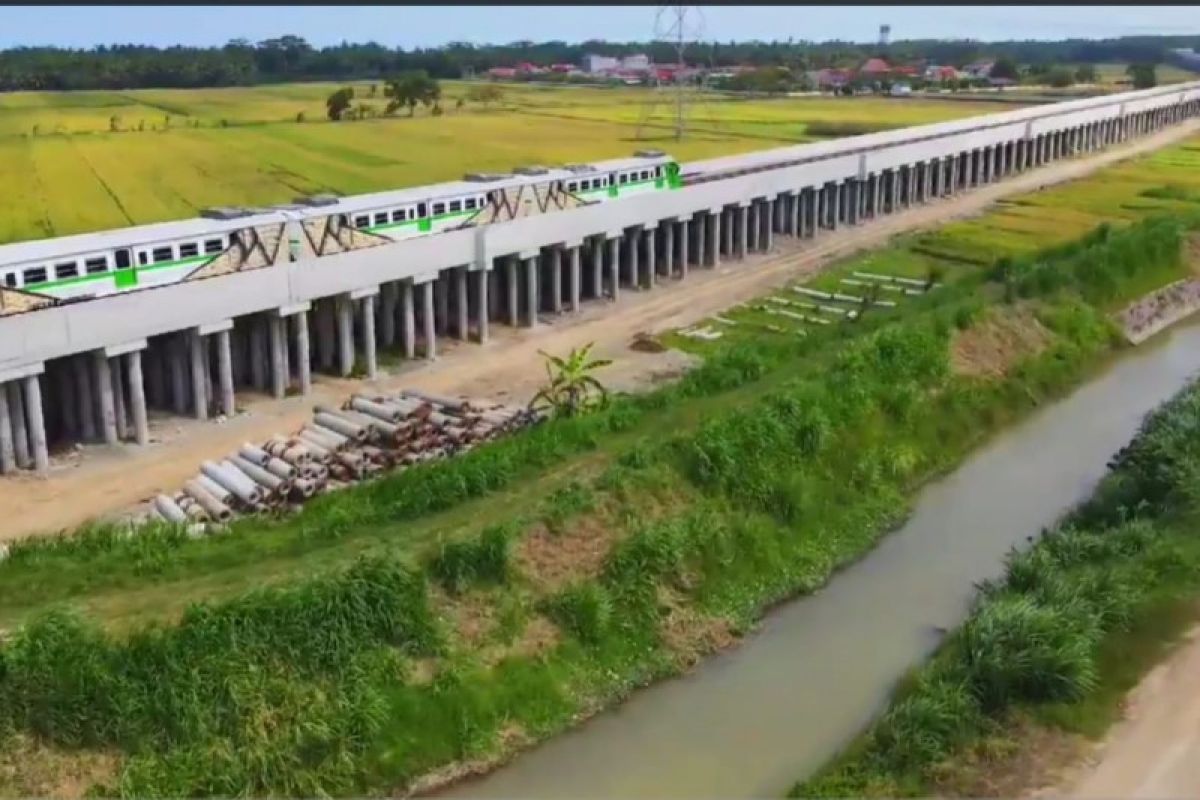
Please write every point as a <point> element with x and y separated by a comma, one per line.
<point>750,721</point>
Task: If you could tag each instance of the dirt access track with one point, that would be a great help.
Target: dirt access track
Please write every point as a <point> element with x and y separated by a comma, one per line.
<point>1154,752</point>
<point>103,480</point>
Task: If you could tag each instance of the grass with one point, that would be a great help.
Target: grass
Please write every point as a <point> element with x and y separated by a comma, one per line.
<point>178,151</point>
<point>458,609</point>
<point>1072,626</point>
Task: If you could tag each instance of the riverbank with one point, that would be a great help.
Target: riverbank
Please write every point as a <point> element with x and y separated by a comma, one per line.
<point>1048,653</point>
<point>588,557</point>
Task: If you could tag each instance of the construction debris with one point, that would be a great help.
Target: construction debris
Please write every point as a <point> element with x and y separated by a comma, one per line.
<point>368,435</point>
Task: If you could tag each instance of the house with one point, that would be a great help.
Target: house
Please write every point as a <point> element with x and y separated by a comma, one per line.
<point>639,62</point>
<point>594,63</point>
<point>831,78</point>
<point>940,74</point>
<point>563,68</point>
<point>501,73</point>
<point>978,69</point>
<point>874,68</point>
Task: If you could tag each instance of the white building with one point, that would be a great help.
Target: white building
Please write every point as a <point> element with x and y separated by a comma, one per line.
<point>594,63</point>
<point>639,62</point>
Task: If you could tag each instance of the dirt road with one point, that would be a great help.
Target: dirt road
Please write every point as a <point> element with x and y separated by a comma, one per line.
<point>101,480</point>
<point>1155,751</point>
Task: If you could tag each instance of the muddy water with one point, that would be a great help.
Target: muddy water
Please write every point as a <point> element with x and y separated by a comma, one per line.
<point>751,721</point>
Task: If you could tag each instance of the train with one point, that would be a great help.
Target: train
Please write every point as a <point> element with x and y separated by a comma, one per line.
<point>95,264</point>
<point>91,265</point>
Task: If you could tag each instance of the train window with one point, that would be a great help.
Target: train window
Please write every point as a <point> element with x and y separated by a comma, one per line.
<point>10,279</point>
<point>455,205</point>
<point>143,257</point>
<point>422,211</point>
<point>35,275</point>
<point>162,254</point>
<point>362,221</point>
<point>189,250</point>
<point>213,246</point>
<point>96,265</point>
<point>470,203</point>
<point>398,215</point>
<point>572,186</point>
<point>439,208</point>
<point>622,179</point>
<point>381,218</point>
<point>66,269</point>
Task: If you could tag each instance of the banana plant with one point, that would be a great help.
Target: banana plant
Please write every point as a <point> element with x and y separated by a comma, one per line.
<point>571,388</point>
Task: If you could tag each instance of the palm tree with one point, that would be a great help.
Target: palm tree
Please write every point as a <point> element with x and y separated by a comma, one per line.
<point>571,387</point>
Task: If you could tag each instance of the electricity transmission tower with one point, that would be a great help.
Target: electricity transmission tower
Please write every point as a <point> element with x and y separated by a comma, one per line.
<point>683,27</point>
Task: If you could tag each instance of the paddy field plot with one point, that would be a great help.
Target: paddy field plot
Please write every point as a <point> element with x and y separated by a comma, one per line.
<point>80,161</point>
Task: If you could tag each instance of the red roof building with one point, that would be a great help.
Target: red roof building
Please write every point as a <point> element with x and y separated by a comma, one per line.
<point>875,66</point>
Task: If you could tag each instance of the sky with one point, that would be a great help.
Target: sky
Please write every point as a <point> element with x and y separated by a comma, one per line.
<point>427,26</point>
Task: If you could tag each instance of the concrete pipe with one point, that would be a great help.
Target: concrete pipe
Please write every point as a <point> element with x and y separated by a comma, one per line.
<point>215,508</point>
<point>280,468</point>
<point>336,422</point>
<point>377,410</point>
<point>287,449</point>
<point>276,486</point>
<point>228,477</point>
<point>436,399</point>
<point>372,424</point>
<point>317,451</point>
<point>194,510</point>
<point>253,454</point>
<point>218,491</point>
<point>169,510</point>
<point>330,440</point>
<point>302,488</point>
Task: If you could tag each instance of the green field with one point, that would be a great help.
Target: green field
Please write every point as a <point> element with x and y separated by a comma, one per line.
<point>177,151</point>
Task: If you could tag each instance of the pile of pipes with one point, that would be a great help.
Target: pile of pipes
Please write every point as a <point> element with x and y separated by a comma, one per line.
<point>367,435</point>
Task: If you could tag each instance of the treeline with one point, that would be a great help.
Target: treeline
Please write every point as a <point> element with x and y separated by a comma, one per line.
<point>291,58</point>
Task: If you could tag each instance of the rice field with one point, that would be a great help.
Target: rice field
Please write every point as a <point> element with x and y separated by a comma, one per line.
<point>74,162</point>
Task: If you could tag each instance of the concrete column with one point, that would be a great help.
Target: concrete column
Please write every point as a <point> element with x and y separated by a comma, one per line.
<point>36,423</point>
<point>387,314</point>
<point>554,257</point>
<point>726,222</point>
<point>303,351</point>
<point>368,318</point>
<point>484,280</point>
<point>576,277</point>
<point>324,315</point>
<point>118,388</point>
<point>104,390</point>
<point>514,304</point>
<point>669,248</point>
<point>712,229</point>
<point>492,311</point>
<point>597,268</point>
<point>684,238</point>
<point>137,398</point>
<point>275,336</point>
<point>408,317</point>
<point>743,230</point>
<point>20,435</point>
<point>531,291</point>
<point>614,267</point>
<point>8,461</point>
<point>260,351</point>
<point>853,188</point>
<point>633,243</point>
<point>430,333</point>
<point>225,372</point>
<point>768,238</point>
<point>87,408</point>
<point>462,304</point>
<point>345,335</point>
<point>751,232</point>
<point>199,397</point>
<point>651,257</point>
<point>796,211</point>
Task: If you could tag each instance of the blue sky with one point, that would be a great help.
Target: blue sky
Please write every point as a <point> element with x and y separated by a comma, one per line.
<point>413,26</point>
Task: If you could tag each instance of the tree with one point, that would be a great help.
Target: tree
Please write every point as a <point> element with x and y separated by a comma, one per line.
<point>1005,68</point>
<point>1085,74</point>
<point>337,103</point>
<point>411,89</point>
<point>1143,75</point>
<point>1059,77</point>
<point>571,388</point>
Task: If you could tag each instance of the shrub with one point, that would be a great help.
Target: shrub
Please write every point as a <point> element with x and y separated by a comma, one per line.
<point>485,559</point>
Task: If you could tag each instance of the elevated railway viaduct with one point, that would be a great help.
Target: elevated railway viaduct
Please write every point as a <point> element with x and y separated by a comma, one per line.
<point>89,371</point>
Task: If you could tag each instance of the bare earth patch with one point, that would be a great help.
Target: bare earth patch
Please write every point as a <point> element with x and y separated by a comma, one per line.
<point>690,634</point>
<point>29,769</point>
<point>1028,755</point>
<point>539,636</point>
<point>997,341</point>
<point>471,614</point>
<point>552,560</point>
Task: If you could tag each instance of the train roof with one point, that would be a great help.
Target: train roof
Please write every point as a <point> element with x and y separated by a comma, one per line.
<point>136,236</point>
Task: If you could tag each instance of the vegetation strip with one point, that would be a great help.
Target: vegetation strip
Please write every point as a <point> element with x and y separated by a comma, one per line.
<point>499,597</point>
<point>1052,643</point>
